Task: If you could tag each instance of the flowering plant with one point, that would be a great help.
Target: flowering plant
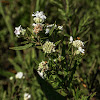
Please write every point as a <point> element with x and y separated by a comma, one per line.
<point>60,54</point>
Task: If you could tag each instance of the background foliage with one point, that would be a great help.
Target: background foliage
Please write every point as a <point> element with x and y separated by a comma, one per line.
<point>79,18</point>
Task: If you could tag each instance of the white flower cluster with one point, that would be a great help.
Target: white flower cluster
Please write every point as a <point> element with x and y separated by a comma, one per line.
<point>19,75</point>
<point>27,96</point>
<point>39,17</point>
<point>50,26</point>
<point>43,66</point>
<point>48,47</point>
<point>19,30</point>
<point>78,44</point>
<point>37,28</point>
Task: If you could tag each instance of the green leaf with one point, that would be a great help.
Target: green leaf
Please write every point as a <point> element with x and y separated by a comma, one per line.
<point>4,95</point>
<point>67,8</point>
<point>66,35</point>
<point>60,72</point>
<point>5,73</point>
<point>24,42</point>
<point>44,38</point>
<point>49,92</point>
<point>62,92</point>
<point>36,61</point>
<point>31,31</point>
<point>86,42</point>
<point>92,95</point>
<point>57,3</point>
<point>57,42</point>
<point>17,67</point>
<point>52,29</point>
<point>38,47</point>
<point>37,5</point>
<point>21,47</point>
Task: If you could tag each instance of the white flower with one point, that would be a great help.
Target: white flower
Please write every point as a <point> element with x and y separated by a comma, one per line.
<point>43,66</point>
<point>71,39</point>
<point>47,30</point>
<point>49,58</point>
<point>81,50</point>
<point>19,75</point>
<point>34,24</point>
<point>60,27</point>
<point>11,78</point>
<point>78,43</point>
<point>48,47</point>
<point>27,96</point>
<point>55,60</point>
<point>51,25</point>
<point>37,28</point>
<point>39,17</point>
<point>41,74</point>
<point>19,30</point>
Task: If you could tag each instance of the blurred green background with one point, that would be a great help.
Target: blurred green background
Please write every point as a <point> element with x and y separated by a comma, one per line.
<point>18,12</point>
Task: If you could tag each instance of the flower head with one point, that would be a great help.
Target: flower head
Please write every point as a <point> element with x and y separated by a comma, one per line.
<point>43,66</point>
<point>37,28</point>
<point>48,47</point>
<point>19,75</point>
<point>27,96</point>
<point>19,30</point>
<point>78,43</point>
<point>39,17</point>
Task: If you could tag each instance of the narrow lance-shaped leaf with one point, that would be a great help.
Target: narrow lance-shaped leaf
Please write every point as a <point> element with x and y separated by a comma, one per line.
<point>67,8</point>
<point>16,67</point>
<point>31,31</point>
<point>38,47</point>
<point>57,42</point>
<point>5,73</point>
<point>52,29</point>
<point>22,47</point>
